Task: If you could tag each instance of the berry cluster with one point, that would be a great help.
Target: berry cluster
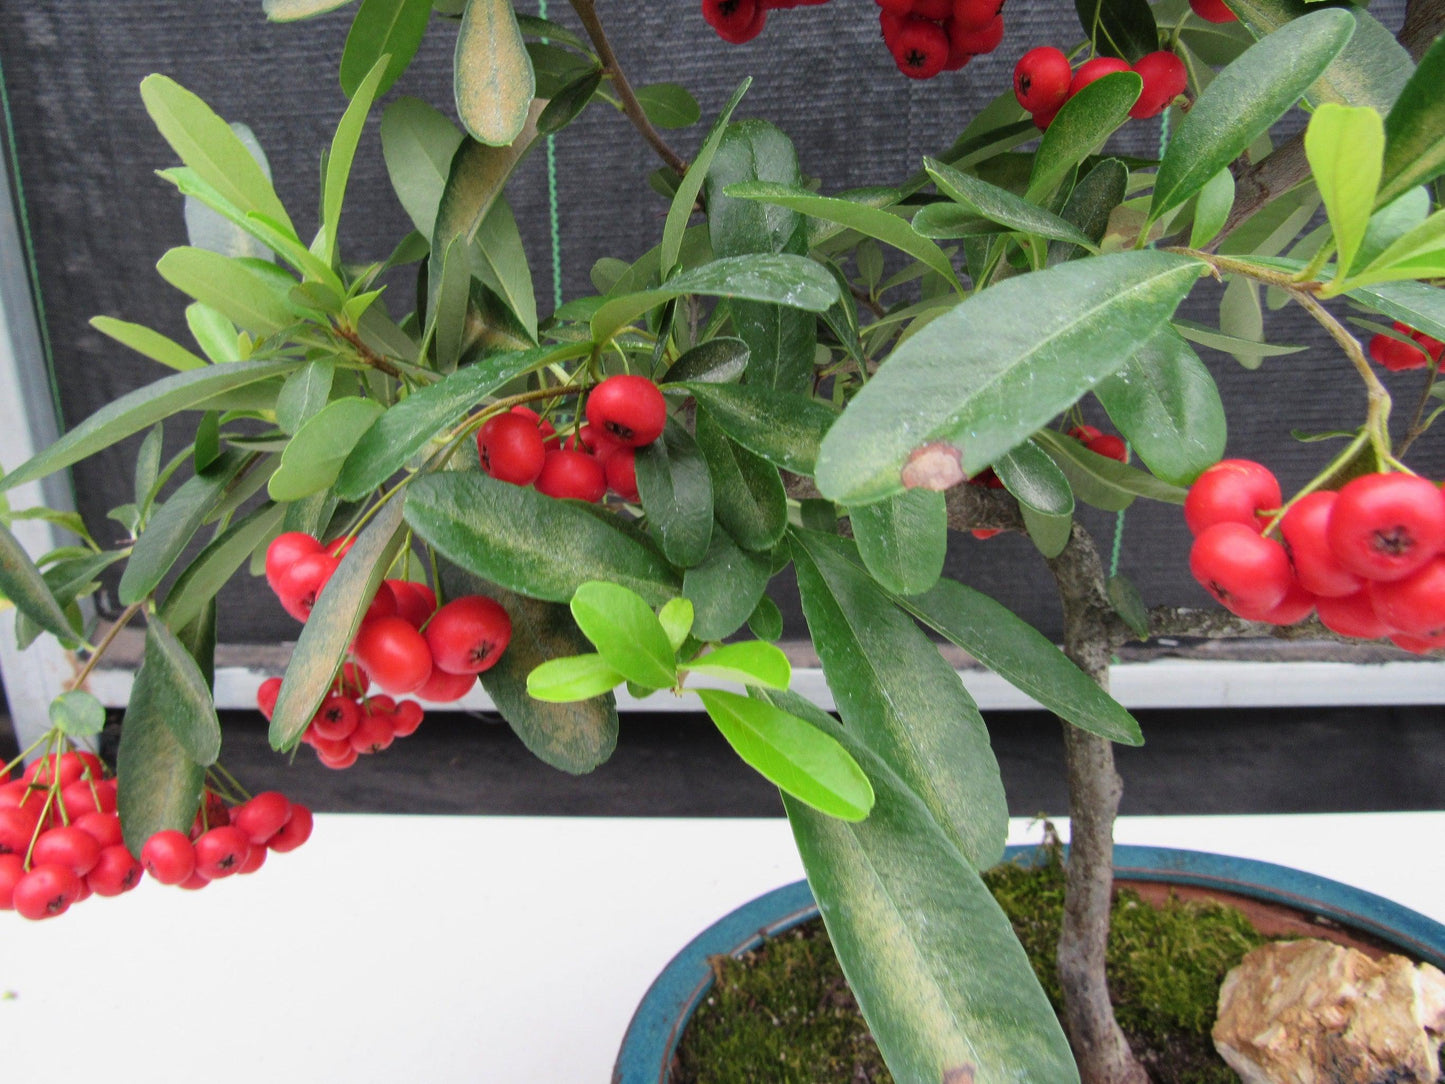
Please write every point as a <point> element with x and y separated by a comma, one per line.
<point>225,841</point>
<point>1369,559</point>
<point>623,413</point>
<point>350,724</point>
<point>1044,81</point>
<point>924,37</point>
<point>1397,356</point>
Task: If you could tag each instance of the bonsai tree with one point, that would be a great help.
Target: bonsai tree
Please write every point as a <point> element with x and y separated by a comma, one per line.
<point>445,488</point>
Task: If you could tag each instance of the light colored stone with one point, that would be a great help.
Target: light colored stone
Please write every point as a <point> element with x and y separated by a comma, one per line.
<point>1313,1012</point>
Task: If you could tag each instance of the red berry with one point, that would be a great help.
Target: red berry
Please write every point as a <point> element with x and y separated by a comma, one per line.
<point>17,828</point>
<point>621,471</point>
<point>1043,120</point>
<point>975,42</point>
<point>374,733</point>
<point>976,14</point>
<point>1232,491</point>
<point>1416,604</point>
<point>394,654</point>
<point>295,832</point>
<point>212,814</point>
<point>896,7</point>
<point>920,49</point>
<point>169,857</point>
<point>735,21</point>
<point>1165,78</point>
<point>1041,79</point>
<point>383,604</point>
<point>985,533</point>
<point>12,868</point>
<point>1110,447</point>
<point>65,767</point>
<point>445,688</point>
<point>1085,433</point>
<point>284,551</point>
<point>115,872</point>
<point>1352,615</point>
<point>935,10</point>
<point>1092,70</point>
<point>86,796</point>
<point>892,24</point>
<point>511,449</point>
<point>415,602</point>
<point>408,716</point>
<point>104,828</point>
<point>67,846</point>
<point>1417,645</point>
<point>262,816</point>
<point>301,583</point>
<point>1242,569</point>
<point>267,695</point>
<point>340,758</point>
<point>46,891</point>
<point>221,852</point>
<point>1214,11</point>
<point>630,409</point>
<point>572,475</point>
<point>336,719</point>
<point>1434,347</point>
<point>1296,605</point>
<point>255,859</point>
<point>1385,526</point>
<point>1395,355</point>
<point>468,635</point>
<point>194,883</point>
<point>1315,565</point>
<point>353,679</point>
<point>547,429</point>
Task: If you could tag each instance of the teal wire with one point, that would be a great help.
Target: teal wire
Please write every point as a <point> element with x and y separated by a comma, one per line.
<point>552,209</point>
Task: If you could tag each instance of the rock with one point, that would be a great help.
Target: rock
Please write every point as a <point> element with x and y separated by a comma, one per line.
<point>1313,1012</point>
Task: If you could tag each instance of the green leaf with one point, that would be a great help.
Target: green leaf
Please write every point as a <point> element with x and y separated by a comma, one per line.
<point>176,522</point>
<point>333,624</point>
<point>22,583</point>
<point>572,678</point>
<point>1129,604</point>
<point>410,425</point>
<point>207,447</point>
<point>534,27</point>
<point>285,11</point>
<point>1090,204</point>
<point>159,784</point>
<point>1230,344</point>
<point>717,361</point>
<point>1121,28</point>
<point>305,392</point>
<point>668,105</point>
<point>343,150</point>
<point>748,495</point>
<point>1418,254</point>
<point>500,262</point>
<point>898,696</point>
<point>494,81</point>
<point>1345,146</point>
<point>676,617</point>
<point>142,408</point>
<point>1023,657</point>
<point>1211,210</point>
<point>448,316</point>
<point>204,577</point>
<point>724,587</point>
<point>766,620</point>
<point>1413,303</point>
<point>1415,129</point>
<point>1244,100</point>
<point>529,542</point>
<point>1393,221</point>
<point>676,491</point>
<point>1242,318</point>
<point>1089,474</point>
<point>903,539</point>
<point>1044,496</point>
<point>418,143</point>
<point>208,145</point>
<point>626,633</point>
<point>382,28</point>
<point>779,279</point>
<point>180,692</point>
<point>796,756</point>
<point>980,378</point>
<point>1167,406</point>
<point>1080,128</point>
<point>313,459</point>
<point>152,344</point>
<point>568,103</point>
<point>748,663</point>
<point>249,298</point>
<point>77,714</point>
<point>148,466</point>
<point>1002,206</point>
<point>870,221</point>
<point>943,983</point>
<point>215,334</point>
<point>690,186</point>
<point>783,429</point>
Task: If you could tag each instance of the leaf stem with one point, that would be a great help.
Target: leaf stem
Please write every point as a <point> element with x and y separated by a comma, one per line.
<point>1416,428</point>
<point>109,638</point>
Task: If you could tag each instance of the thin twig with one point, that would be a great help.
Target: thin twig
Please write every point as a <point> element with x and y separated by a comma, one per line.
<point>368,355</point>
<point>109,638</point>
<point>868,301</point>
<point>587,11</point>
<point>1415,429</point>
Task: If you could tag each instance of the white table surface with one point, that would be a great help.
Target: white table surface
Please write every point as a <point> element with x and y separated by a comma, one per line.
<point>476,949</point>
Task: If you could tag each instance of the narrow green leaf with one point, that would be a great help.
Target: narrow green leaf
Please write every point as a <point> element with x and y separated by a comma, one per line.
<point>152,344</point>
<point>903,539</point>
<point>748,663</point>
<point>1418,254</point>
<point>180,692</point>
<point>572,678</point>
<point>1345,146</point>
<point>141,408</point>
<point>1245,99</point>
<point>449,313</point>
<point>898,696</point>
<point>783,429</point>
<point>207,448</point>
<point>418,142</point>
<point>717,361</point>
<point>796,756</point>
<point>22,583</point>
<point>313,459</point>
<point>690,186</point>
<point>343,149</point>
<point>494,80</point>
<point>1129,604</point>
<point>285,11</point>
<point>779,279</point>
<point>1023,657</point>
<point>748,495</point>
<point>215,335</point>
<point>77,714</point>
<point>305,392</point>
<point>676,490</point>
<point>333,624</point>
<point>1393,221</point>
<point>1413,303</point>
<point>204,577</point>
<point>625,632</point>
<point>159,784</point>
<point>1080,128</point>
<point>1121,28</point>
<point>870,221</point>
<point>381,28</point>
<point>724,587</point>
<point>1002,206</point>
<point>208,145</point>
<point>1211,210</point>
<point>529,542</point>
<point>250,299</point>
<point>148,467</point>
<point>567,104</point>
<point>500,261</point>
<point>676,617</point>
<point>1415,129</point>
<point>668,105</point>
<point>1044,496</point>
<point>1230,344</point>
<point>1087,471</point>
<point>980,378</point>
<point>1167,406</point>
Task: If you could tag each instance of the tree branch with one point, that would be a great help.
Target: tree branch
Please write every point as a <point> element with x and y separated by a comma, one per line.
<point>1424,20</point>
<point>587,11</point>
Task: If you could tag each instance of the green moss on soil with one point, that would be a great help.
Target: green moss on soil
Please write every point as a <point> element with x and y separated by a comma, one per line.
<point>784,1014</point>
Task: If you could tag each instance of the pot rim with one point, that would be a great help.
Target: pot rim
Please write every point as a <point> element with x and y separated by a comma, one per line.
<point>653,1033</point>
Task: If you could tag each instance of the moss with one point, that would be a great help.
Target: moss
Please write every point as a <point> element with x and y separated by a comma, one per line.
<point>784,1015</point>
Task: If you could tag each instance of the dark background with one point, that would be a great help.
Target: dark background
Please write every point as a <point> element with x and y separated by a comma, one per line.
<point>99,219</point>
